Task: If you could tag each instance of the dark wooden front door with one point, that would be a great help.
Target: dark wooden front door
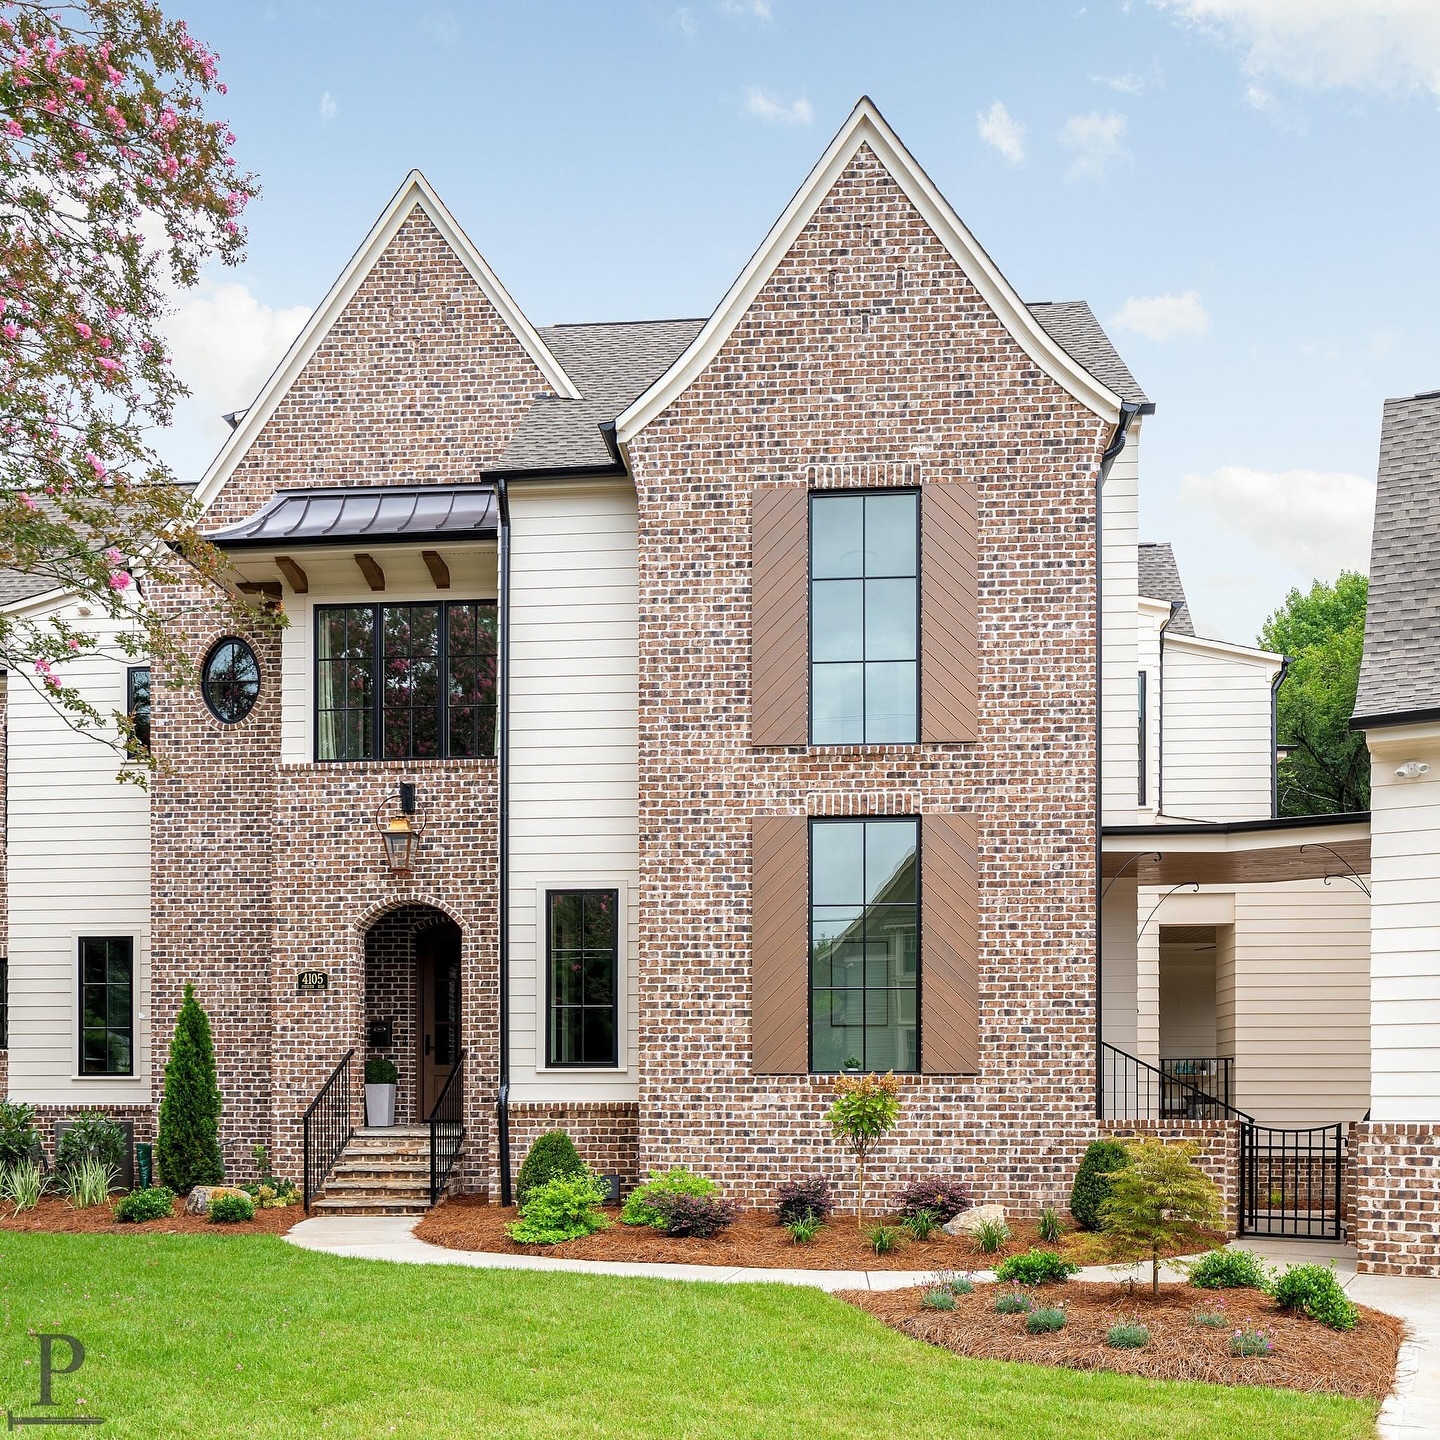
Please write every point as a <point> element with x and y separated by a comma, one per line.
<point>437,955</point>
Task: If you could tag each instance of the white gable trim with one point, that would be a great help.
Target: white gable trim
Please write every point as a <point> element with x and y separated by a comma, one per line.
<point>416,191</point>
<point>866,126</point>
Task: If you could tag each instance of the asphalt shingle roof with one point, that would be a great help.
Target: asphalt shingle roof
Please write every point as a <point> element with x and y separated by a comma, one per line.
<point>1072,325</point>
<point>1160,580</point>
<point>1400,671</point>
<point>15,586</point>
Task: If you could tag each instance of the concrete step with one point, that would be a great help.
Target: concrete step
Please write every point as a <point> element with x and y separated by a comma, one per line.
<point>382,1165</point>
<point>379,1185</point>
<point>393,1132</point>
<point>368,1205</point>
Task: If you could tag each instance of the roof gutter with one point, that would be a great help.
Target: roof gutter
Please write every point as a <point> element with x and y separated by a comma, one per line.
<point>1286,661</point>
<point>1399,717</point>
<point>502,766</point>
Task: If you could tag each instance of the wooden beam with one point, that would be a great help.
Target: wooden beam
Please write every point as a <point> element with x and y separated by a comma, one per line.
<point>299,580</point>
<point>269,590</point>
<point>370,569</point>
<point>439,570</point>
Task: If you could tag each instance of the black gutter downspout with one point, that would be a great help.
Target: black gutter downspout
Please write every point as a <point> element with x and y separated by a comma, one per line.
<point>502,757</point>
<point>1175,607</point>
<point>1286,661</point>
<point>1128,411</point>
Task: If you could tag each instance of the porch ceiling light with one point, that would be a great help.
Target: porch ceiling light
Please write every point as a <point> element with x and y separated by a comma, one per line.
<point>400,832</point>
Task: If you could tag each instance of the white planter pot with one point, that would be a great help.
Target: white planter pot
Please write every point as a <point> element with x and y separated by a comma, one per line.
<point>379,1105</point>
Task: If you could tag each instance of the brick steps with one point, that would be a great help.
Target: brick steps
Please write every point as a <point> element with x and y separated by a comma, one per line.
<point>380,1172</point>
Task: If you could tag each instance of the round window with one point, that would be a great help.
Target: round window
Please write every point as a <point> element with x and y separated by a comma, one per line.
<point>230,680</point>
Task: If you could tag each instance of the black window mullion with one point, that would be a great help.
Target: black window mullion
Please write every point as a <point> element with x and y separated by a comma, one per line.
<point>442,682</point>
<point>377,685</point>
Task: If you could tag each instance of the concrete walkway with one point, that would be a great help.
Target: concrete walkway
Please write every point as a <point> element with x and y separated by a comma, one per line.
<point>1411,1413</point>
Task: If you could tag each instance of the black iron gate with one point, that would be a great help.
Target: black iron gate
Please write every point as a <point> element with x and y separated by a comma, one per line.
<point>1292,1181</point>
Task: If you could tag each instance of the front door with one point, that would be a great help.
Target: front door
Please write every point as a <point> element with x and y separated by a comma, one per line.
<point>437,953</point>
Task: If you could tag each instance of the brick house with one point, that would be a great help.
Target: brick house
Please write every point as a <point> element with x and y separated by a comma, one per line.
<point>670,714</point>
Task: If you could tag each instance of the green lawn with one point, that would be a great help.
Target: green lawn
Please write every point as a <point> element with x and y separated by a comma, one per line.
<point>205,1335</point>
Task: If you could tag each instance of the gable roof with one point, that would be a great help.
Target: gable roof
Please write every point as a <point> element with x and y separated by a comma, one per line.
<point>415,192</point>
<point>867,127</point>
<point>1400,670</point>
<point>1073,326</point>
<point>1160,580</point>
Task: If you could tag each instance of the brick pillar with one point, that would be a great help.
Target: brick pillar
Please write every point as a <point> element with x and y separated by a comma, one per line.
<point>1397,1197</point>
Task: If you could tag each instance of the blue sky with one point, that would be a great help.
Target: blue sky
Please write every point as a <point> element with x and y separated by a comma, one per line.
<point>1244,190</point>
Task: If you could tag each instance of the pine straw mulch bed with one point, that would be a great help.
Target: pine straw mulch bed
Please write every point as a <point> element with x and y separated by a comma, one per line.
<point>1307,1356</point>
<point>56,1215</point>
<point>465,1222</point>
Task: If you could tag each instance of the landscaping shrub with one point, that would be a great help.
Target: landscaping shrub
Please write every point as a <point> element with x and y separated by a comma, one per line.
<point>231,1209</point>
<point>1252,1342</point>
<point>91,1135</point>
<point>188,1145</point>
<point>937,1298</point>
<point>1228,1270</point>
<point>943,1198</point>
<point>1313,1290</point>
<point>885,1238</point>
<point>1092,1181</point>
<point>922,1224</point>
<point>380,1071</point>
<point>1051,1228</point>
<point>991,1236</point>
<point>156,1203</point>
<point>1014,1303</point>
<point>1045,1322</point>
<point>955,1281</point>
<point>22,1184</point>
<point>804,1228</point>
<point>272,1194</point>
<point>87,1182</point>
<point>19,1138</point>
<point>1211,1317</point>
<point>552,1156</point>
<point>866,1109</point>
<point>1129,1335</point>
<point>642,1205</point>
<point>797,1198</point>
<point>564,1208</point>
<point>698,1215</point>
<point>1039,1267</point>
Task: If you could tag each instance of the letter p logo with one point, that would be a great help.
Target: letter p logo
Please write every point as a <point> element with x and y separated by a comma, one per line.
<point>47,1362</point>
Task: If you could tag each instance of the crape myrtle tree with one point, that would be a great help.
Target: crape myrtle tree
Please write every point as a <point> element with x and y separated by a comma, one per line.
<point>115,187</point>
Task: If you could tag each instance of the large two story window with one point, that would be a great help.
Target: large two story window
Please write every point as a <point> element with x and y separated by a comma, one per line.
<point>864,617</point>
<point>405,682</point>
<point>581,967</point>
<point>864,944</point>
<point>107,1005</point>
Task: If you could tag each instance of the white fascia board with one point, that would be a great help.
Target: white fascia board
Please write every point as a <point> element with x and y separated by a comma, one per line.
<point>866,126</point>
<point>1220,843</point>
<point>1267,658</point>
<point>415,191</point>
<point>1160,608</point>
<point>1388,738</point>
<point>32,607</point>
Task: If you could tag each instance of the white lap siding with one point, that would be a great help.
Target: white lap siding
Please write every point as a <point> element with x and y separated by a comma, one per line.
<point>1120,507</point>
<point>78,852</point>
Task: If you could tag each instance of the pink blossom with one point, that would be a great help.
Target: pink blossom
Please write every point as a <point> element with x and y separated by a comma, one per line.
<point>97,465</point>
<point>14,127</point>
<point>11,329</point>
<point>28,501</point>
<point>112,556</point>
<point>120,580</point>
<point>104,342</point>
<point>74,646</point>
<point>51,104</point>
<point>229,137</point>
<point>168,119</point>
<point>77,84</point>
<point>82,329</point>
<point>106,363</point>
<point>81,158</point>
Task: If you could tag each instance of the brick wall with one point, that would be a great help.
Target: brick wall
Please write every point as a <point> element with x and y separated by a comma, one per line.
<point>868,359</point>
<point>605,1134</point>
<point>1397,1198</point>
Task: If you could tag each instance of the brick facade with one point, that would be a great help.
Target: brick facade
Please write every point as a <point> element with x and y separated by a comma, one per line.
<point>606,1134</point>
<point>1397,1198</point>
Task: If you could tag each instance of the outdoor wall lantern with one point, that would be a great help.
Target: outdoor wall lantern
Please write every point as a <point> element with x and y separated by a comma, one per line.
<point>401,833</point>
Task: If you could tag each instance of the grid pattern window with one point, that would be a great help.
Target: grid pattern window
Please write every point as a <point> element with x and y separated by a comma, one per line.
<point>582,960</point>
<point>864,618</point>
<point>405,682</point>
<point>107,1013</point>
<point>230,680</point>
<point>137,702</point>
<point>1142,736</point>
<point>864,945</point>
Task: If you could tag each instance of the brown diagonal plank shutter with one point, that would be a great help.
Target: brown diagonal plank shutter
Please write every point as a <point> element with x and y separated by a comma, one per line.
<point>949,946</point>
<point>779,636</point>
<point>948,602</point>
<point>780,944</point>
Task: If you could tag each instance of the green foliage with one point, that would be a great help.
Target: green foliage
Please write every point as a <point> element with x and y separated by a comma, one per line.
<point>380,1071</point>
<point>156,1203</point>
<point>551,1156</point>
<point>804,1228</point>
<point>1128,1335</point>
<point>272,1194</point>
<point>1252,1341</point>
<point>231,1209</point>
<point>18,1135</point>
<point>1092,1181</point>
<point>885,1238</point>
<point>1039,1267</point>
<point>91,1135</point>
<point>1313,1290</point>
<point>87,1182</point>
<point>1051,1226</point>
<point>1211,1317</point>
<point>1323,632</point>
<point>188,1147</point>
<point>1228,1270</point>
<point>957,1282</point>
<point>990,1237</point>
<point>1159,1198</point>
<point>640,1206</point>
<point>922,1224</point>
<point>865,1110</point>
<point>22,1184</point>
<point>563,1208</point>
<point>1046,1321</point>
<point>937,1298</point>
<point>1014,1302</point>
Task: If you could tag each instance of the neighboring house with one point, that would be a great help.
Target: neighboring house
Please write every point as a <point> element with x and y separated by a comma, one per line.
<point>744,692</point>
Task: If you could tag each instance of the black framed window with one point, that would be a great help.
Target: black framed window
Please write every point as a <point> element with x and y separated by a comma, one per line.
<point>864,617</point>
<point>864,944</point>
<point>405,682</point>
<point>230,680</point>
<point>137,702</point>
<point>1142,736</point>
<point>107,1008</point>
<point>581,964</point>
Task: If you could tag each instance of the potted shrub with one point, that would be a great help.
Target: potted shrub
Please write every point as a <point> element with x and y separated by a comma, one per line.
<point>380,1078</point>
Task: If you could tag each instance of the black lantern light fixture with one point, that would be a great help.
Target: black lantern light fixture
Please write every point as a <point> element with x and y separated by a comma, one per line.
<point>400,832</point>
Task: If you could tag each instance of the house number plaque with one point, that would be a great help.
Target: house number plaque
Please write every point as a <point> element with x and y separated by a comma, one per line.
<point>311,982</point>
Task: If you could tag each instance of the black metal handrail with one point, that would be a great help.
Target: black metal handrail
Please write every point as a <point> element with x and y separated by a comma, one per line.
<point>1214,1074</point>
<point>447,1128</point>
<point>1133,1089</point>
<point>328,1128</point>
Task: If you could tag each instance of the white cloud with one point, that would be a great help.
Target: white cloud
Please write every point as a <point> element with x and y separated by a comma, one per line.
<point>1132,82</point>
<point>684,19</point>
<point>1317,521</point>
<point>999,128</point>
<point>1163,317</point>
<point>1095,140</point>
<point>1384,45</point>
<point>747,9</point>
<point>329,109</point>
<point>765,107</point>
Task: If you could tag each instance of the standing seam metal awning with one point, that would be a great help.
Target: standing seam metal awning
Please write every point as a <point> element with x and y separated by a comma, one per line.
<point>376,514</point>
